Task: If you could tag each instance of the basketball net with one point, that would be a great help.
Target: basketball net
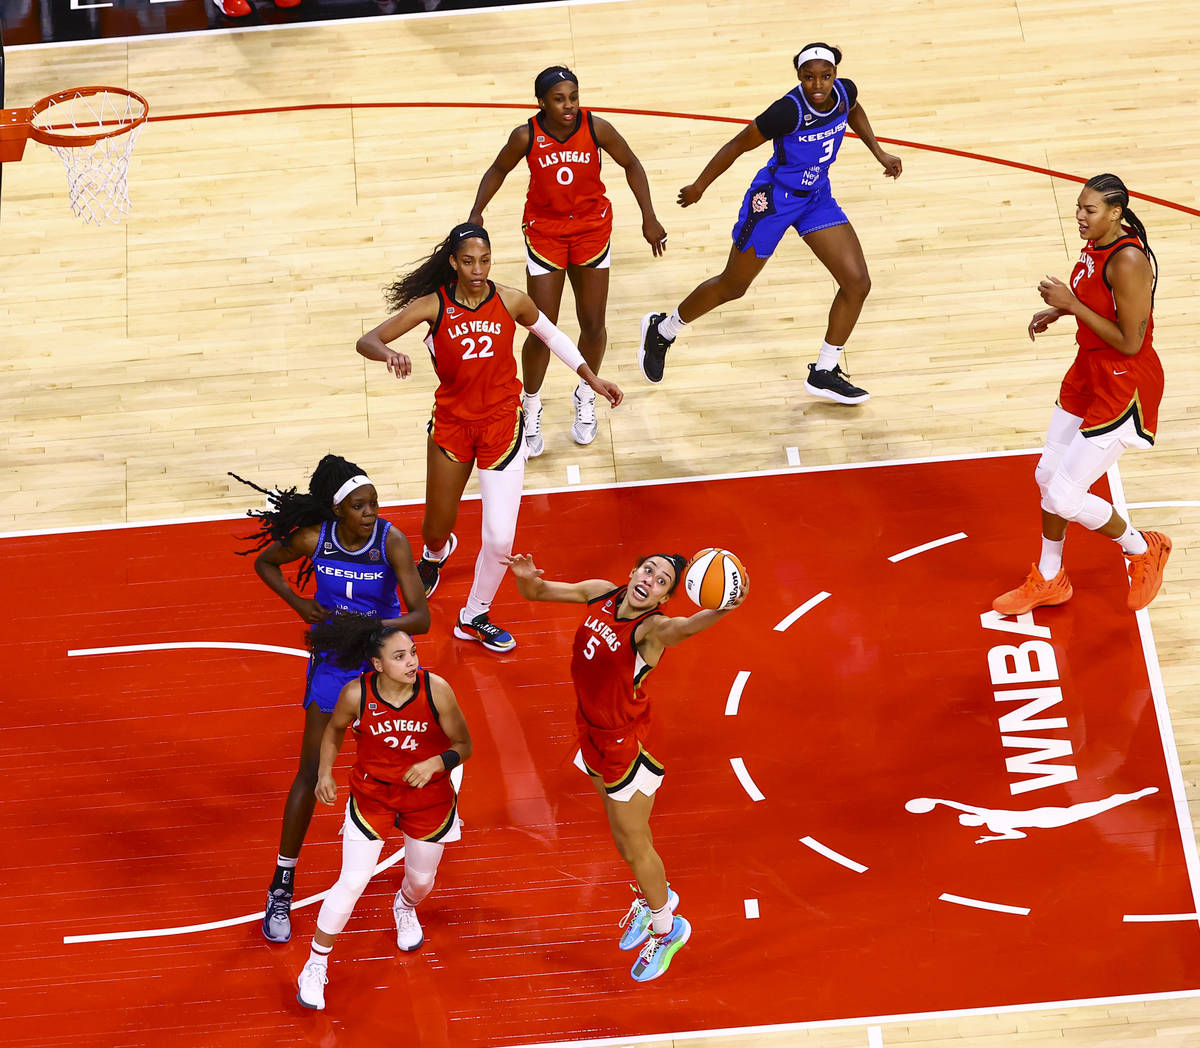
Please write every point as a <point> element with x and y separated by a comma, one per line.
<point>93,132</point>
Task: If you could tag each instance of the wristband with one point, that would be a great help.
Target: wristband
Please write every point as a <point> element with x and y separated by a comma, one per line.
<point>451,759</point>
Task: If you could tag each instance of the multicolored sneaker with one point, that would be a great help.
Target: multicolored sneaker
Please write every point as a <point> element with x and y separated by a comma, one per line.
<point>311,985</point>
<point>1146,570</point>
<point>1035,592</point>
<point>834,385</point>
<point>277,921</point>
<point>656,955</point>
<point>430,570</point>
<point>409,934</point>
<point>652,350</point>
<point>486,633</point>
<point>637,921</point>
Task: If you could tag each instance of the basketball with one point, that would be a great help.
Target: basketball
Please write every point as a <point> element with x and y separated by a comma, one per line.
<point>714,579</point>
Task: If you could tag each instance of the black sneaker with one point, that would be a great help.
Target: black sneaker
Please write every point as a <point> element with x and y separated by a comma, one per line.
<point>486,632</point>
<point>652,351</point>
<point>277,921</point>
<point>834,385</point>
<point>430,570</point>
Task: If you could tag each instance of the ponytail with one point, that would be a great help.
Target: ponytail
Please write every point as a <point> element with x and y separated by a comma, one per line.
<point>349,639</point>
<point>1113,191</point>
<point>435,272</point>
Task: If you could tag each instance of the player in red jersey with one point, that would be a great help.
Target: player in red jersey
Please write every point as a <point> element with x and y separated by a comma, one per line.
<point>568,227</point>
<point>477,414</point>
<point>411,735</point>
<point>620,641</point>
<point>1108,401</point>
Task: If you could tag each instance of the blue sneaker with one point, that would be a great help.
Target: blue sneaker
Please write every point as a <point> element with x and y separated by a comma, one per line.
<point>486,632</point>
<point>656,955</point>
<point>637,921</point>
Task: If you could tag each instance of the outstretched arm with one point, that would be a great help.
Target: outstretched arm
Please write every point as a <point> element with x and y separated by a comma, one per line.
<point>493,178</point>
<point>531,585</point>
<point>616,147</point>
<point>861,126</point>
<point>748,138</point>
<point>374,344</point>
<point>662,632</point>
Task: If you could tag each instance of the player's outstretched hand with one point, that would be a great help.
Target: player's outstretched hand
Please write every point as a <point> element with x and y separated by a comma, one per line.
<point>610,391</point>
<point>655,236</point>
<point>399,364</point>
<point>688,195</point>
<point>419,775</point>
<point>326,790</point>
<point>522,566</point>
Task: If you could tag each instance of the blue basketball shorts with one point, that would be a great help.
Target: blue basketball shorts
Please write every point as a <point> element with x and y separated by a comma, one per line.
<point>325,682</point>
<point>769,210</point>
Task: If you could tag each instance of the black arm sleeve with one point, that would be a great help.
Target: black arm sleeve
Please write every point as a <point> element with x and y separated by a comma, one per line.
<point>779,119</point>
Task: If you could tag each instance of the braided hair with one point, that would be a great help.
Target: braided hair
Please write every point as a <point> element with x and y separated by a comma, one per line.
<point>1113,191</point>
<point>288,510</point>
<point>435,272</point>
<point>349,639</point>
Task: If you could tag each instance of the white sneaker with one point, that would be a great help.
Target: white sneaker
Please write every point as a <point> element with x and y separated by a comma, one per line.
<point>534,444</point>
<point>584,427</point>
<point>312,985</point>
<point>408,929</point>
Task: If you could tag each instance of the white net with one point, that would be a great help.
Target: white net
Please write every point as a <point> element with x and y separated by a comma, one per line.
<point>97,171</point>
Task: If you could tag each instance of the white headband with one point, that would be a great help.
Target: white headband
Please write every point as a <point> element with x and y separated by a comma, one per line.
<point>813,53</point>
<point>349,486</point>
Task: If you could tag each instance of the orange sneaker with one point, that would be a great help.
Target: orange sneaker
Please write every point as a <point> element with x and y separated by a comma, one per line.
<point>1035,592</point>
<point>1146,570</point>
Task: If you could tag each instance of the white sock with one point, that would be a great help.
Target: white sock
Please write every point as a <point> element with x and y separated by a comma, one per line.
<point>827,358</point>
<point>1133,542</point>
<point>1052,555</point>
<point>661,920</point>
<point>585,391</point>
<point>670,328</point>
<point>320,954</point>
<point>531,402</point>
<point>440,554</point>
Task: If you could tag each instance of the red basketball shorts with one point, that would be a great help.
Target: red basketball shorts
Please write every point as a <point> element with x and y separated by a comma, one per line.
<point>380,808</point>
<point>556,243</point>
<point>1105,388</point>
<point>491,443</point>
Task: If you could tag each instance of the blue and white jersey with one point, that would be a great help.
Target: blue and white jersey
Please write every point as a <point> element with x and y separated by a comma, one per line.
<point>806,140</point>
<point>359,580</point>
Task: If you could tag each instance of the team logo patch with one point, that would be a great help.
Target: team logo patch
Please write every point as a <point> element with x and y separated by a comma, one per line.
<point>541,140</point>
<point>758,203</point>
<point>328,546</point>
<point>373,555</point>
<point>608,605</point>
<point>371,706</point>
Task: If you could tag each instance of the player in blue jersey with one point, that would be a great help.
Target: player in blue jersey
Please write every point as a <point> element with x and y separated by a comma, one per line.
<point>805,127</point>
<point>358,559</point>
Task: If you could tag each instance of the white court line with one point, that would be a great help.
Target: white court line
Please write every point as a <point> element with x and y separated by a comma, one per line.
<point>573,475</point>
<point>804,608</point>
<point>232,645</point>
<point>980,904</point>
<point>663,482</point>
<point>1161,505</point>
<point>793,456</point>
<point>1163,716</point>
<point>829,853</point>
<point>739,769</point>
<point>874,1037</point>
<point>1146,918</point>
<point>188,929</point>
<point>896,557</point>
<point>735,693</point>
<point>751,908</point>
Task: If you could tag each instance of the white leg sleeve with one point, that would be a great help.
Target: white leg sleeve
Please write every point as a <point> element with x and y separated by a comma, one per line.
<point>501,497</point>
<point>1083,463</point>
<point>421,860</point>
<point>359,857</point>
<point>1063,427</point>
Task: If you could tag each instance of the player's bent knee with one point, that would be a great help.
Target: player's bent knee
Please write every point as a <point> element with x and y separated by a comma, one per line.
<point>1063,498</point>
<point>418,885</point>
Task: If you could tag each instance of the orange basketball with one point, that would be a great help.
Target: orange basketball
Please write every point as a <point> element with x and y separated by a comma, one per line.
<point>714,579</point>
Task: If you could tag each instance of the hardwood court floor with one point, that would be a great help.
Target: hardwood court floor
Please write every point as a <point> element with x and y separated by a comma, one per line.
<point>215,329</point>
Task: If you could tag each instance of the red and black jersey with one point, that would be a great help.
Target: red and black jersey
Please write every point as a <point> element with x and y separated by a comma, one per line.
<point>607,669</point>
<point>472,352</point>
<point>393,738</point>
<point>1089,281</point>
<point>564,176</point>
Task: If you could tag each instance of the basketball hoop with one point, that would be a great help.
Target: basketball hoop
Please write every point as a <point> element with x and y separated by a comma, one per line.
<point>93,131</point>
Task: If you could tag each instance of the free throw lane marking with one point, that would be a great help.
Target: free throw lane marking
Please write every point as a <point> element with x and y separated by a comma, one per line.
<point>739,769</point>
<point>829,853</point>
<point>804,608</point>
<point>735,693</point>
<point>896,557</point>
<point>980,904</point>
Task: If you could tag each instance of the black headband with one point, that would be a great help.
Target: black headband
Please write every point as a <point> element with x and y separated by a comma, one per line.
<point>675,560</point>
<point>465,231</point>
<point>548,78</point>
